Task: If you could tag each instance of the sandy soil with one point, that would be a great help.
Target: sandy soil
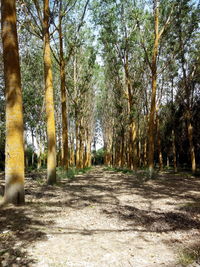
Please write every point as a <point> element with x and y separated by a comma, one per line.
<point>103,218</point>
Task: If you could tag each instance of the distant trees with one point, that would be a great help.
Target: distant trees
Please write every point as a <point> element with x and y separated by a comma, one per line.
<point>146,61</point>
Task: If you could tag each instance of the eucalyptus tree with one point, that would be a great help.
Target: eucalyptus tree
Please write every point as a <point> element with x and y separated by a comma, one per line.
<point>14,162</point>
<point>38,22</point>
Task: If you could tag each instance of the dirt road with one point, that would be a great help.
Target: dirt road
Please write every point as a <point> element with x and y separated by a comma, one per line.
<point>103,218</point>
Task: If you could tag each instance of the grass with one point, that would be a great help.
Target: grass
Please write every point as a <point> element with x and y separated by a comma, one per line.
<point>189,256</point>
<point>70,173</point>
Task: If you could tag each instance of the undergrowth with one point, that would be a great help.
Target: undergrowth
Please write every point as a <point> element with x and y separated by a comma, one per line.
<point>189,256</point>
<point>70,173</point>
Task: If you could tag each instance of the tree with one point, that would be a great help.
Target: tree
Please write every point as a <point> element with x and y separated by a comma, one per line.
<point>49,99</point>
<point>14,162</point>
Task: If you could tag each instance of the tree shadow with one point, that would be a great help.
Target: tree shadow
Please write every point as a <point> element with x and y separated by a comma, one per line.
<point>18,231</point>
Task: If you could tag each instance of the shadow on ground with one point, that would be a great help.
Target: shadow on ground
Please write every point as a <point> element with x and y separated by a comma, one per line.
<point>105,189</point>
<point>19,229</point>
<point>125,197</point>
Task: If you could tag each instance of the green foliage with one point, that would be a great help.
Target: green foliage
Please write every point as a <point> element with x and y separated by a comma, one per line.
<point>98,156</point>
<point>71,172</point>
<point>189,256</point>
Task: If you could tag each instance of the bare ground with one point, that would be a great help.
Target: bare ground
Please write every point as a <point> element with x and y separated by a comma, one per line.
<point>103,218</point>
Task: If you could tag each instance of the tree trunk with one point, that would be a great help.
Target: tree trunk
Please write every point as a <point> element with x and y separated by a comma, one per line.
<point>145,152</point>
<point>88,150</point>
<point>132,164</point>
<point>14,152</point>
<point>72,162</point>
<point>190,137</point>
<point>174,151</point>
<point>63,96</point>
<point>77,143</point>
<point>122,149</point>
<point>81,147</point>
<point>49,98</point>
<point>160,157</point>
<point>153,93</point>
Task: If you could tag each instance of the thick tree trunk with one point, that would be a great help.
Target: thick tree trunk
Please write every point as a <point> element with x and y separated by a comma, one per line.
<point>14,152</point>
<point>49,98</point>
<point>63,96</point>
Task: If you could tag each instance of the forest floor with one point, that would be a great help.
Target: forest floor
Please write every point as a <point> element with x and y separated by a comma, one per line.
<point>104,218</point>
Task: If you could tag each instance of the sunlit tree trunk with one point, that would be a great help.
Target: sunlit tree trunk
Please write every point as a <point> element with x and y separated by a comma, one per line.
<point>81,146</point>
<point>14,151</point>
<point>132,125</point>
<point>190,137</point>
<point>153,92</point>
<point>49,99</point>
<point>77,141</point>
<point>63,95</point>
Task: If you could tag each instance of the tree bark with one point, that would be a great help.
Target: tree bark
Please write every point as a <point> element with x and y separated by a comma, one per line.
<point>63,96</point>
<point>132,164</point>
<point>190,137</point>
<point>160,157</point>
<point>49,98</point>
<point>153,92</point>
<point>174,151</point>
<point>14,151</point>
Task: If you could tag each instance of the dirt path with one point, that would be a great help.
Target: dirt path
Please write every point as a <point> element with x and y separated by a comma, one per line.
<point>103,218</point>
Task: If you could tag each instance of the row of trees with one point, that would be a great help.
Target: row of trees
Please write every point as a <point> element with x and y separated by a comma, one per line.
<point>58,87</point>
<point>127,68</point>
<point>150,87</point>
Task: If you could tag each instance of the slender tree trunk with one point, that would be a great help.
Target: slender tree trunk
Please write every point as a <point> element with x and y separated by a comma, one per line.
<point>88,150</point>
<point>63,96</point>
<point>49,98</point>
<point>174,151</point>
<point>153,93</point>
<point>160,157</point>
<point>81,150</point>
<point>190,137</point>
<point>145,151</point>
<point>72,162</point>
<point>139,147</point>
<point>167,161</point>
<point>14,152</point>
<point>33,153</point>
<point>77,143</point>
<point>132,126</point>
<point>122,149</point>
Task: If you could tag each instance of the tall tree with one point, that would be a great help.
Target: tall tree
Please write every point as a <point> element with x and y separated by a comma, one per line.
<point>49,99</point>
<point>63,93</point>
<point>14,165</point>
<point>153,65</point>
